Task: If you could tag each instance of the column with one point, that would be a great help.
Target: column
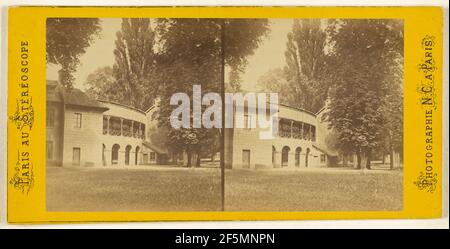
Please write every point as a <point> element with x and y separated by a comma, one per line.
<point>121,126</point>
<point>301,131</point>
<point>132,128</point>
<point>292,124</point>
<point>107,126</point>
<point>108,156</point>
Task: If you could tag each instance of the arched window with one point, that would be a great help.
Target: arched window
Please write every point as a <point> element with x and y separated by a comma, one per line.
<point>306,157</point>
<point>127,154</point>
<point>273,155</point>
<point>285,156</point>
<point>297,156</point>
<point>136,156</point>
<point>103,154</point>
<point>115,154</point>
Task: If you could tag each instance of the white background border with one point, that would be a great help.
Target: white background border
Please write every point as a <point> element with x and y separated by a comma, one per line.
<point>309,224</point>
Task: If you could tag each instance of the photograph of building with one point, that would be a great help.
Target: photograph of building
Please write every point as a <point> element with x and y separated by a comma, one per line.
<point>86,132</point>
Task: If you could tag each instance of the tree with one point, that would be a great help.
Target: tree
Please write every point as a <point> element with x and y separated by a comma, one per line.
<point>239,39</point>
<point>196,51</point>
<point>189,55</point>
<point>392,111</point>
<point>66,40</point>
<point>102,85</point>
<point>135,63</point>
<point>275,81</point>
<point>365,49</point>
<point>305,69</point>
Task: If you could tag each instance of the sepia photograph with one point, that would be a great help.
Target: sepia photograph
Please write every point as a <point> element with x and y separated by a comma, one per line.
<point>339,145</point>
<point>201,114</point>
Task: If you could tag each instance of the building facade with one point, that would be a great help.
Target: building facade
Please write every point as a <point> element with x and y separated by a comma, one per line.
<point>300,143</point>
<point>86,132</point>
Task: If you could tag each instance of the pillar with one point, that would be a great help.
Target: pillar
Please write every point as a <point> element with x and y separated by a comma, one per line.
<point>291,159</point>
<point>108,156</point>
<point>292,124</point>
<point>302,136</point>
<point>121,126</point>
<point>107,126</point>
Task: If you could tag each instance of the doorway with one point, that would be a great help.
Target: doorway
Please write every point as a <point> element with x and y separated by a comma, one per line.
<point>246,159</point>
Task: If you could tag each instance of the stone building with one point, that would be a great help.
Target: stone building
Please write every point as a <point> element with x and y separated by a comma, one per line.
<point>86,132</point>
<point>300,142</point>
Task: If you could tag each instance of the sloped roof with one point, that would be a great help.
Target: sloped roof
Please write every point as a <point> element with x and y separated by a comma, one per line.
<point>325,150</point>
<point>73,97</point>
<point>155,148</point>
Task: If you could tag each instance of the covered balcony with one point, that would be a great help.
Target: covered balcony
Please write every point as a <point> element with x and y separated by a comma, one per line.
<point>296,129</point>
<point>116,126</point>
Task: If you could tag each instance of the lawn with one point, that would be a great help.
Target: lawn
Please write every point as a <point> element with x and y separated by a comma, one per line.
<point>152,189</point>
<point>182,189</point>
<point>313,190</point>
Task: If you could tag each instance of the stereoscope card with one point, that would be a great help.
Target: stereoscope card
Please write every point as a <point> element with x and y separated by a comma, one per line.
<point>224,113</point>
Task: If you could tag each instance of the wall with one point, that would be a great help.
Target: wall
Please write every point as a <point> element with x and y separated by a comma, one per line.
<point>55,133</point>
<point>87,138</point>
<point>261,150</point>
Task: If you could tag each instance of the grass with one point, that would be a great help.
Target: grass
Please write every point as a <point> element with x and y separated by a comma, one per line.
<point>182,189</point>
<point>109,189</point>
<point>315,190</point>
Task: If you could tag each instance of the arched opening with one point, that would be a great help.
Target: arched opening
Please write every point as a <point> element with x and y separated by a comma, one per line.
<point>273,155</point>
<point>297,156</point>
<point>306,157</point>
<point>136,156</point>
<point>127,154</point>
<point>103,155</point>
<point>285,156</point>
<point>115,154</point>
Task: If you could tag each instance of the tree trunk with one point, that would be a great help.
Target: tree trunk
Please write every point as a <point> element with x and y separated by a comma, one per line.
<point>369,155</point>
<point>189,158</point>
<point>358,159</point>
<point>345,160</point>
<point>383,158</point>
<point>197,163</point>
<point>391,160</point>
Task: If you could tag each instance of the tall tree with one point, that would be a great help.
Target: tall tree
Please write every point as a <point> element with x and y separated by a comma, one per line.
<point>364,49</point>
<point>189,55</point>
<point>135,62</point>
<point>275,81</point>
<point>392,111</point>
<point>102,85</point>
<point>306,65</point>
<point>66,40</point>
<point>195,51</point>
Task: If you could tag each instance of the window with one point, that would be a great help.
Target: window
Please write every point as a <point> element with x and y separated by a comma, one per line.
<point>247,122</point>
<point>152,156</point>
<point>76,156</point>
<point>322,158</point>
<point>78,120</point>
<point>50,117</point>
<point>49,150</point>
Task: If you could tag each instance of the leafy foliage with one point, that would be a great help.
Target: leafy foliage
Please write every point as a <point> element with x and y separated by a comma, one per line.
<point>135,63</point>
<point>102,85</point>
<point>305,69</point>
<point>192,52</point>
<point>67,39</point>
<point>365,50</point>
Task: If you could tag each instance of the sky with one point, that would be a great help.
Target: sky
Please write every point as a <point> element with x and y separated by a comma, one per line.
<point>269,55</point>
